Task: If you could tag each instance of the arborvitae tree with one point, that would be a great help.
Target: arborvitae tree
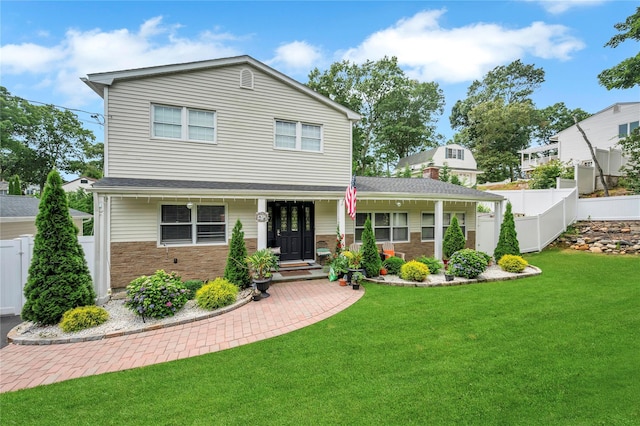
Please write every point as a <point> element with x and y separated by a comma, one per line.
<point>453,239</point>
<point>59,278</point>
<point>371,261</point>
<point>237,270</point>
<point>508,240</point>
<point>15,186</point>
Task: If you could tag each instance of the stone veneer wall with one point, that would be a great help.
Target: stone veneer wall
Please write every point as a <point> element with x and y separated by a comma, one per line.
<point>133,259</point>
<point>611,237</point>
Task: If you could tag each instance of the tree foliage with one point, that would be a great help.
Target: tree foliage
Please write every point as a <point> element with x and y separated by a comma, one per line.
<point>371,261</point>
<point>544,176</point>
<point>237,270</point>
<point>453,239</point>
<point>631,148</point>
<point>554,119</point>
<point>398,113</point>
<point>59,278</point>
<point>626,74</point>
<point>39,138</point>
<point>15,187</point>
<point>508,239</point>
<point>82,201</point>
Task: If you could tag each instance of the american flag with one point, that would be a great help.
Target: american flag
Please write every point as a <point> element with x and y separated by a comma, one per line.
<point>350,198</point>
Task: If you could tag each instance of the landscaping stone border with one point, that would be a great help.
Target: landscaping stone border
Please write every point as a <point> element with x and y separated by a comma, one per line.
<point>608,237</point>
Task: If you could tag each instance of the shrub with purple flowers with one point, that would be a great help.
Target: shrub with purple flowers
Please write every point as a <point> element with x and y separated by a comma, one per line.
<point>159,295</point>
<point>467,263</point>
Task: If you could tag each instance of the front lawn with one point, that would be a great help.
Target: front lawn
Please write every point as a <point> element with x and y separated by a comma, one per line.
<point>559,348</point>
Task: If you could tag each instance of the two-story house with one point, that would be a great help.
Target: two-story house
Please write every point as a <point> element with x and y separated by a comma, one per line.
<point>428,164</point>
<point>191,148</point>
<point>604,129</point>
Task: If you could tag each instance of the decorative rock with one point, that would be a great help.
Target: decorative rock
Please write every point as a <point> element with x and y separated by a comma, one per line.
<point>611,246</point>
<point>595,250</point>
<point>583,247</point>
<point>625,230</point>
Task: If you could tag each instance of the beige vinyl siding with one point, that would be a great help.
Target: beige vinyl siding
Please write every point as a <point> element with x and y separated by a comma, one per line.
<point>245,131</point>
<point>10,230</point>
<point>326,217</point>
<point>134,220</point>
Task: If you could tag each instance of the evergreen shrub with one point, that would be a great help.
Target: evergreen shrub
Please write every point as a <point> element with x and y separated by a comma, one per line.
<point>59,278</point>
<point>83,317</point>
<point>216,294</point>
<point>192,286</point>
<point>414,271</point>
<point>508,240</point>
<point>393,264</point>
<point>453,239</point>
<point>511,263</point>
<point>157,296</point>
<point>434,264</point>
<point>370,257</point>
<point>467,263</point>
<point>236,269</point>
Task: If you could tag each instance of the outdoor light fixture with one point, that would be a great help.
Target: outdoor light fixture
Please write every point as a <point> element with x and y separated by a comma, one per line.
<point>189,205</point>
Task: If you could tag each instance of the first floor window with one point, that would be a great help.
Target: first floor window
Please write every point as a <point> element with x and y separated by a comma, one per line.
<point>386,226</point>
<point>298,136</point>
<point>429,223</point>
<point>183,123</point>
<point>200,224</point>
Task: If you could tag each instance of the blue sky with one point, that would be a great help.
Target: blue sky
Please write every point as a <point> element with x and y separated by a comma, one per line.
<point>45,47</point>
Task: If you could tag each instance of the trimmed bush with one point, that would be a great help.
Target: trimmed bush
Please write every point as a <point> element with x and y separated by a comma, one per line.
<point>392,265</point>
<point>508,240</point>
<point>216,294</point>
<point>414,271</point>
<point>236,269</point>
<point>370,257</point>
<point>511,263</point>
<point>486,256</point>
<point>467,263</point>
<point>157,296</point>
<point>453,239</point>
<point>432,263</point>
<point>192,286</point>
<point>59,278</point>
<point>83,317</point>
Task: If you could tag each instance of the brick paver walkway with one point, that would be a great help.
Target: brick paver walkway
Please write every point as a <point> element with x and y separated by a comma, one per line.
<point>292,305</point>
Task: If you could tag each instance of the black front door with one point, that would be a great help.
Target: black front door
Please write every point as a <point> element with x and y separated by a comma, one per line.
<point>291,229</point>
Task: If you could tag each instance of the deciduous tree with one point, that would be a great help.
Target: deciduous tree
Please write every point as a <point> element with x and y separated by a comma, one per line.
<point>626,74</point>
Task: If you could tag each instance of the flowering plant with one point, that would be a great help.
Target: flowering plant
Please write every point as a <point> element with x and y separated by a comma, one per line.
<point>466,263</point>
<point>339,246</point>
<point>354,258</point>
<point>157,296</point>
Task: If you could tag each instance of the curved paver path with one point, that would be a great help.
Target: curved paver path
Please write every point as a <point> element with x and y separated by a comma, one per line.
<point>292,305</point>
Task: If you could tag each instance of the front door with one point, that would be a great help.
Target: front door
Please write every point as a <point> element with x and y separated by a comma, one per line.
<point>291,229</point>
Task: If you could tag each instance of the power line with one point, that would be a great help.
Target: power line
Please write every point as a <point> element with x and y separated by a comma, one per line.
<point>95,115</point>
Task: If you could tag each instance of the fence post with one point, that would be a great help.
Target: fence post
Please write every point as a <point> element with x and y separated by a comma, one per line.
<point>26,254</point>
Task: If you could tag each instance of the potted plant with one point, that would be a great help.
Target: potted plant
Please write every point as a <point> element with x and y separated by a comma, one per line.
<point>355,279</point>
<point>448,274</point>
<point>340,265</point>
<point>355,263</point>
<point>262,263</point>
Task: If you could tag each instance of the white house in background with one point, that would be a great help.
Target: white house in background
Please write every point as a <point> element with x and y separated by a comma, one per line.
<point>80,183</point>
<point>427,164</point>
<point>18,216</point>
<point>604,129</point>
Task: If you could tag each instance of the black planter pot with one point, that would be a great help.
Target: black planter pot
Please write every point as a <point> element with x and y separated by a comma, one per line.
<point>263,286</point>
<point>448,277</point>
<point>355,286</point>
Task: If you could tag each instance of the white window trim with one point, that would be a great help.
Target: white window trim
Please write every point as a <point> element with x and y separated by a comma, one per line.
<point>390,227</point>
<point>299,125</point>
<point>184,124</point>
<point>194,226</point>
<point>444,227</point>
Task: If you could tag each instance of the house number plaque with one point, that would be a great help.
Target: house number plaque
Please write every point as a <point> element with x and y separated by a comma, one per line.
<point>262,217</point>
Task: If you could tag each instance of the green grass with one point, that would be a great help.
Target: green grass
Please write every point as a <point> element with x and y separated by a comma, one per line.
<point>559,348</point>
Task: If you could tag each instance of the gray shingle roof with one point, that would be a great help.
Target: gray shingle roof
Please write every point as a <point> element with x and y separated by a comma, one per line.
<point>418,158</point>
<point>15,206</point>
<point>368,187</point>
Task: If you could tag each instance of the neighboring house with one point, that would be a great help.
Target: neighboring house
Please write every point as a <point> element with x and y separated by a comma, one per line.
<point>427,164</point>
<point>191,148</point>
<point>80,183</point>
<point>18,216</point>
<point>4,187</point>
<point>603,129</point>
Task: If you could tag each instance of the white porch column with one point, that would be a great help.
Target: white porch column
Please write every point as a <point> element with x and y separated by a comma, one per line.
<point>262,226</point>
<point>341,221</point>
<point>497,222</point>
<point>437,232</point>
<point>102,243</point>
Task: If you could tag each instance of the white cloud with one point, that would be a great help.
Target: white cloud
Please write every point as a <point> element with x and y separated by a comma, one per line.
<point>83,52</point>
<point>429,52</point>
<point>557,7</point>
<point>296,56</point>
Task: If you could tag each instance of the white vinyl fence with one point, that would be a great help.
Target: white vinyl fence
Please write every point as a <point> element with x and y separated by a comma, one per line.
<point>609,208</point>
<point>15,259</point>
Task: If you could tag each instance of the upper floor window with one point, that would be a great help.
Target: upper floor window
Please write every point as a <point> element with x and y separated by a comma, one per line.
<point>298,136</point>
<point>454,153</point>
<point>192,224</point>
<point>625,130</point>
<point>429,222</point>
<point>183,123</point>
<point>386,226</point>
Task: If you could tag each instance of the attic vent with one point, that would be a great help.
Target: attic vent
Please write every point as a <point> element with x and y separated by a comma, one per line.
<point>246,79</point>
<point>616,108</point>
